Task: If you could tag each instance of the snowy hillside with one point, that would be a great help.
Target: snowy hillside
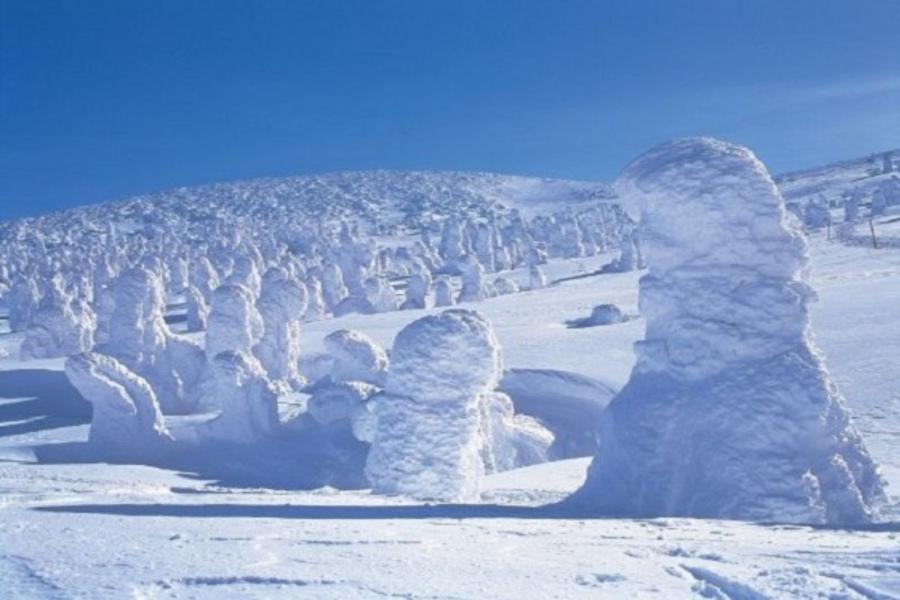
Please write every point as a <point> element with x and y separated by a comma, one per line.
<point>382,384</point>
<point>834,180</point>
<point>381,200</point>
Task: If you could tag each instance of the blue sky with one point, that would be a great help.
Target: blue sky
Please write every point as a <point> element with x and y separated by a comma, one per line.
<point>104,99</point>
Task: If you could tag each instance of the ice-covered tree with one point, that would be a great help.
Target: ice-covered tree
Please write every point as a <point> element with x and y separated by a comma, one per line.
<point>428,435</point>
<point>127,423</point>
<point>234,323</point>
<point>61,326</point>
<point>140,339</point>
<point>281,305</point>
<point>536,278</point>
<point>357,357</point>
<point>443,292</point>
<point>197,310</point>
<point>247,400</point>
<point>729,411</point>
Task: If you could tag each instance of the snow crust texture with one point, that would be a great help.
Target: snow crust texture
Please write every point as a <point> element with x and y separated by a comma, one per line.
<point>729,412</point>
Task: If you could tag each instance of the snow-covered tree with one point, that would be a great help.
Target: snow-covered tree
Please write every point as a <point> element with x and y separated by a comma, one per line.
<point>248,401</point>
<point>729,411</point>
<point>140,339</point>
<point>127,423</point>
<point>428,434</point>
<point>281,305</point>
<point>357,357</point>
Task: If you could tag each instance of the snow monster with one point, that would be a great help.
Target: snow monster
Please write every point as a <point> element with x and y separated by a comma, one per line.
<point>729,411</point>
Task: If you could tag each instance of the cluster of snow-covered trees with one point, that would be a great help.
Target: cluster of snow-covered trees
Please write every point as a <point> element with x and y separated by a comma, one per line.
<point>871,200</point>
<point>729,411</point>
<point>61,287</point>
<point>430,417</point>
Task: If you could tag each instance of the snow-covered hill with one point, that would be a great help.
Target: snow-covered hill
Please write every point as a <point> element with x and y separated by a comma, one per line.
<point>204,512</point>
<point>380,200</point>
<point>834,180</point>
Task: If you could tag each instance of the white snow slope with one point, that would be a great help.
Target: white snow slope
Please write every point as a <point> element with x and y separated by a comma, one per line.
<point>94,530</point>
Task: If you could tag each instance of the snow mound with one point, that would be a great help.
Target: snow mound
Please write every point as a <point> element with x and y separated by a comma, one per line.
<point>729,412</point>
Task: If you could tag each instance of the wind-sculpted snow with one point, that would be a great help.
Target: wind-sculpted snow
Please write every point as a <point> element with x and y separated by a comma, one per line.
<point>127,423</point>
<point>439,425</point>
<point>234,323</point>
<point>428,434</point>
<point>62,325</point>
<point>248,401</point>
<point>281,305</point>
<point>356,357</point>
<point>729,412</point>
<point>140,339</point>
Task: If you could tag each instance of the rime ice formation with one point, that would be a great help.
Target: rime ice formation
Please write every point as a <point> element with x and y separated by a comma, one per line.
<point>333,288</point>
<point>127,423</point>
<point>23,299</point>
<point>451,241</point>
<point>234,323</point>
<point>729,412</point>
<point>245,273</point>
<point>473,283</point>
<point>380,294</point>
<point>629,256</point>
<point>356,357</point>
<point>281,305</point>
<point>439,425</point>
<point>505,285</point>
<point>443,292</point>
<point>510,440</point>
<point>140,339</point>
<point>315,303</point>
<point>197,309</point>
<point>62,325</point>
<point>339,401</point>
<point>248,402</point>
<point>417,291</point>
<point>428,434</point>
<point>203,277</point>
<point>536,278</point>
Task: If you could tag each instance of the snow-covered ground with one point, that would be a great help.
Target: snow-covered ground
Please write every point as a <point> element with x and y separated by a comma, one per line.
<point>89,530</point>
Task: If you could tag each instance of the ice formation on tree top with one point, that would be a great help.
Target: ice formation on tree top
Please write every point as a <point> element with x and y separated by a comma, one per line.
<point>729,412</point>
<point>234,323</point>
<point>357,357</point>
<point>62,325</point>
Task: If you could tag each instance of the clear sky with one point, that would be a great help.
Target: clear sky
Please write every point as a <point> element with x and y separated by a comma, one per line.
<point>102,99</point>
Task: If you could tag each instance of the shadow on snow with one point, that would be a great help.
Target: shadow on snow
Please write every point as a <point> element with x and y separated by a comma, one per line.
<point>46,400</point>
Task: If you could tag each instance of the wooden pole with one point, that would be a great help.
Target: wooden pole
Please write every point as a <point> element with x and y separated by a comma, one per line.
<point>872,230</point>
